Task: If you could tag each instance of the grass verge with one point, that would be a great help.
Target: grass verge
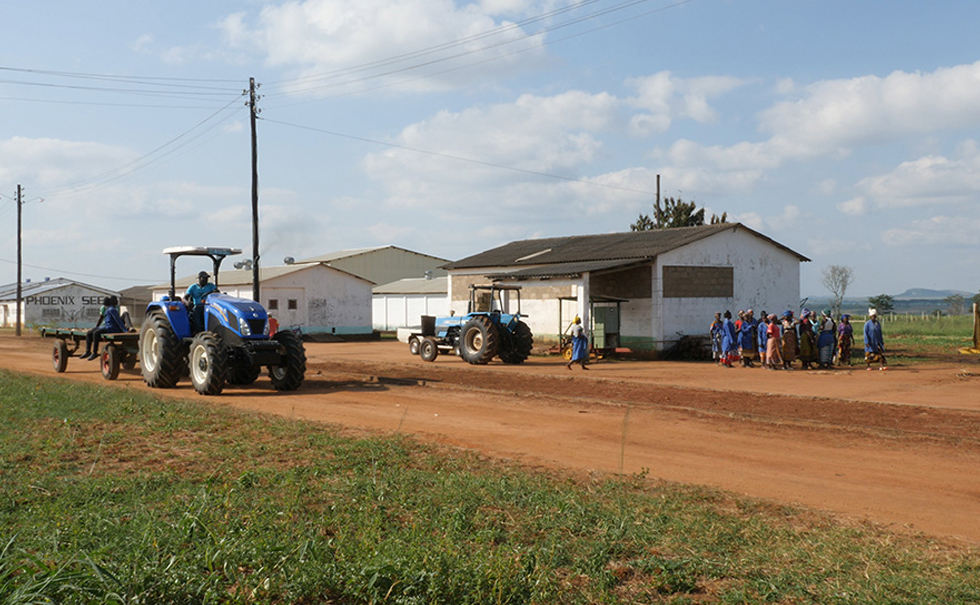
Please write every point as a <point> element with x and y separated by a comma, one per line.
<point>111,495</point>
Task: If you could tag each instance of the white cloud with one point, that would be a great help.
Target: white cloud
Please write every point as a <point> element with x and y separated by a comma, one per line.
<point>857,206</point>
<point>835,115</point>
<point>666,98</point>
<point>927,180</point>
<point>341,46</point>
<point>936,231</point>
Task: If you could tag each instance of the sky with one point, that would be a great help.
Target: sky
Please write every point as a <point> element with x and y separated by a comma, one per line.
<point>846,130</point>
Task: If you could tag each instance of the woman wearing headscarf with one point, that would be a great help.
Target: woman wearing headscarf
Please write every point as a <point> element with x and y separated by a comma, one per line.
<point>845,340</point>
<point>729,341</point>
<point>715,333</point>
<point>747,345</point>
<point>826,339</point>
<point>808,341</point>
<point>773,340</point>
<point>790,344</point>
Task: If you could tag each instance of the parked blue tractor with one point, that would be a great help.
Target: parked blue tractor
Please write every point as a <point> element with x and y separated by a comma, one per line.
<point>225,340</point>
<point>487,330</point>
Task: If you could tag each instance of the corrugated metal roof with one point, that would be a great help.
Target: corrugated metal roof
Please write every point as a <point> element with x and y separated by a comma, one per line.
<point>243,277</point>
<point>342,254</point>
<point>639,245</point>
<point>560,270</point>
<point>415,285</point>
<point>9,291</point>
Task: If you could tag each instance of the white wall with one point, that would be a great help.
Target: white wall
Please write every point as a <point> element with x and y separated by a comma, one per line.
<point>393,311</point>
<point>766,277</point>
<point>71,305</point>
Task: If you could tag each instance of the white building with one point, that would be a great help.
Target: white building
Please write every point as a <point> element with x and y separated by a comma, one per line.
<point>640,290</point>
<point>402,303</point>
<point>56,302</point>
<point>312,297</point>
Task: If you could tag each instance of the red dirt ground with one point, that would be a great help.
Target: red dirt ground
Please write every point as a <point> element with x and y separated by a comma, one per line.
<point>900,448</point>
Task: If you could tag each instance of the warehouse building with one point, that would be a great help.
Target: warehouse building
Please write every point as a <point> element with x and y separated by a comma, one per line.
<point>638,290</point>
<point>58,302</point>
<point>402,303</point>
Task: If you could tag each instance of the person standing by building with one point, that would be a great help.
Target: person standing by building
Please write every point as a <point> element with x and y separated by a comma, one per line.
<point>580,345</point>
<point>790,344</point>
<point>874,342</point>
<point>762,337</point>
<point>808,340</point>
<point>715,334</point>
<point>729,341</point>
<point>845,340</point>
<point>747,345</point>
<point>826,339</point>
<point>774,334</point>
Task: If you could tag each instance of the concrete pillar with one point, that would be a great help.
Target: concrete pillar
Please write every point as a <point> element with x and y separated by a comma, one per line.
<point>584,295</point>
<point>657,308</point>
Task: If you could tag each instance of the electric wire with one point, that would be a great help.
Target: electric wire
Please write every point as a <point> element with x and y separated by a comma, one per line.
<point>65,272</point>
<point>152,157</point>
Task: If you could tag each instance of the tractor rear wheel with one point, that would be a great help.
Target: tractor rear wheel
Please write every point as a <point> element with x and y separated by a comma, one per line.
<point>521,342</point>
<point>161,355</point>
<point>288,375</point>
<point>479,340</point>
<point>207,363</point>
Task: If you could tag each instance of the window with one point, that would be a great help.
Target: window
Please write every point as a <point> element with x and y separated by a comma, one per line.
<point>291,304</point>
<point>51,313</point>
<point>273,304</point>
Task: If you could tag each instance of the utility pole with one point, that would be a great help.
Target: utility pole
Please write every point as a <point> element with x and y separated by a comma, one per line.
<point>253,111</point>
<point>20,289</point>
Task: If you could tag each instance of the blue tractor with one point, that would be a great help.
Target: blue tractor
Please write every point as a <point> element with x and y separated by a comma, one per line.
<point>225,340</point>
<point>487,330</point>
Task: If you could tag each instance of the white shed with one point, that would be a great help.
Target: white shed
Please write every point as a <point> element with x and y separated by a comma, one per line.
<point>404,302</point>
<point>56,302</point>
<point>640,290</point>
<point>313,297</point>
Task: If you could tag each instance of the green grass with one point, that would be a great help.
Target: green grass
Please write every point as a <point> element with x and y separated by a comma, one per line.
<point>109,495</point>
<point>914,340</point>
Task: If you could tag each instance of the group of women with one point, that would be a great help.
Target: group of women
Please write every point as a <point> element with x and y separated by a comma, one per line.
<point>778,341</point>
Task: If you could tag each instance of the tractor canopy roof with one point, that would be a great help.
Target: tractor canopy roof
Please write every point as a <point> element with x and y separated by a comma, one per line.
<point>201,251</point>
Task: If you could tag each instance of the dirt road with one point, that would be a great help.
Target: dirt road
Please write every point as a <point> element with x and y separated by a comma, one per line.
<point>899,448</point>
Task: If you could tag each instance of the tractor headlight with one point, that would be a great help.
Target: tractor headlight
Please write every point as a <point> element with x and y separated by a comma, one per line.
<point>266,329</point>
<point>243,327</point>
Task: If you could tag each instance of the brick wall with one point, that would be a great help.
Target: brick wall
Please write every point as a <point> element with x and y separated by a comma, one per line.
<point>698,282</point>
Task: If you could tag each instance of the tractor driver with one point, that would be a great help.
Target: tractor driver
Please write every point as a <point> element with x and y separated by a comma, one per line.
<point>196,293</point>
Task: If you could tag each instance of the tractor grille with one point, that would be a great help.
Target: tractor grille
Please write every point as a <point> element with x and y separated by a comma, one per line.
<point>257,326</point>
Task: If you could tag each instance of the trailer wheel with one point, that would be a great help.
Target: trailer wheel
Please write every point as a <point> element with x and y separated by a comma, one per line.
<point>288,375</point>
<point>479,340</point>
<point>519,348</point>
<point>59,356</point>
<point>110,362</point>
<point>161,355</point>
<point>428,350</point>
<point>207,362</point>
<point>413,345</point>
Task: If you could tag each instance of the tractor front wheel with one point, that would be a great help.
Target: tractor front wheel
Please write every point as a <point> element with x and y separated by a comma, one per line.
<point>479,340</point>
<point>207,363</point>
<point>288,375</point>
<point>428,350</point>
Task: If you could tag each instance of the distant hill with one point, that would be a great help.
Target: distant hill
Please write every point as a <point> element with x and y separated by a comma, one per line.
<point>927,294</point>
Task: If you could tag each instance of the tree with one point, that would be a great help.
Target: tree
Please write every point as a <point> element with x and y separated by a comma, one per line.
<point>883,303</point>
<point>837,278</point>
<point>674,213</point>
<point>976,298</point>
<point>956,304</point>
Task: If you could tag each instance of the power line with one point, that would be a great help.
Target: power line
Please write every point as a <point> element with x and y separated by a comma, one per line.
<point>65,272</point>
<point>459,158</point>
